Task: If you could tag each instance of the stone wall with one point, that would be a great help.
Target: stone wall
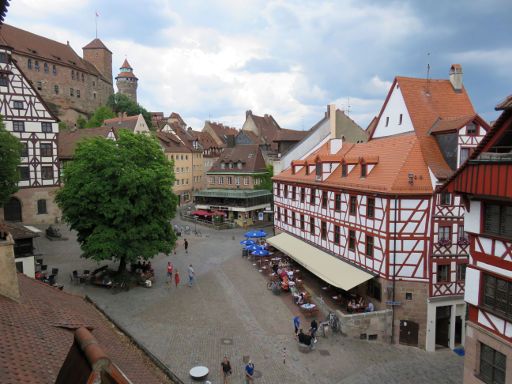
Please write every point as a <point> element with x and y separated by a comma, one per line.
<point>367,326</point>
<point>474,336</point>
<point>29,197</point>
<point>412,299</point>
<point>93,90</point>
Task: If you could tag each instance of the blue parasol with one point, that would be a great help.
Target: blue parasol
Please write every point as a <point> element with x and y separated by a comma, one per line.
<point>256,234</point>
<point>253,247</point>
<point>260,252</point>
<point>247,242</point>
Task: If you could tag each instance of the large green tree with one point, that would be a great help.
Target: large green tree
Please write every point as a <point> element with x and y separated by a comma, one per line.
<point>118,196</point>
<point>10,149</point>
<point>266,179</point>
<point>119,102</point>
<point>99,116</point>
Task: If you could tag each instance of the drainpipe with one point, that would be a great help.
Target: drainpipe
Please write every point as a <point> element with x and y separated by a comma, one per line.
<point>394,272</point>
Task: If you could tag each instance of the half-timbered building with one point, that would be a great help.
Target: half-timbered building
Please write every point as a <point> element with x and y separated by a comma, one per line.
<point>27,117</point>
<point>484,183</point>
<point>373,205</point>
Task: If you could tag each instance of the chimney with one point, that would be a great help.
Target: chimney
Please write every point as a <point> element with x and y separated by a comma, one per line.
<point>456,77</point>
<point>332,120</point>
<point>8,274</point>
<point>248,113</point>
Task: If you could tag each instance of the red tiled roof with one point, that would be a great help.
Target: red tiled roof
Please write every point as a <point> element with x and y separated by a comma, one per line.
<point>249,154</point>
<point>27,43</point>
<point>389,175</point>
<point>96,44</point>
<point>267,126</point>
<point>222,130</point>
<point>453,124</point>
<point>205,139</point>
<point>290,135</point>
<point>126,64</point>
<point>117,123</point>
<point>171,143</point>
<point>68,140</point>
<point>126,74</point>
<point>37,333</point>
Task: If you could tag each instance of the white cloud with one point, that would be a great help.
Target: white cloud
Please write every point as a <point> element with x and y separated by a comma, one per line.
<point>376,86</point>
<point>499,60</point>
<point>39,9</point>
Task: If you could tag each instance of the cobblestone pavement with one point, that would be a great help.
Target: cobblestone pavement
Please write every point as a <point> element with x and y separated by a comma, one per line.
<point>229,311</point>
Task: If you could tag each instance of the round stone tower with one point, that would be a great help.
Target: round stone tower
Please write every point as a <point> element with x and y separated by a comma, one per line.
<point>126,81</point>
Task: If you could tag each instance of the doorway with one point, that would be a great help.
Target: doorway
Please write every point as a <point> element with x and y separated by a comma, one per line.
<point>409,333</point>
<point>12,210</point>
<point>443,314</point>
<point>458,330</point>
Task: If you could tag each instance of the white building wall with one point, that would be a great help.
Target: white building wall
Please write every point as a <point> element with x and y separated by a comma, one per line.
<point>394,108</point>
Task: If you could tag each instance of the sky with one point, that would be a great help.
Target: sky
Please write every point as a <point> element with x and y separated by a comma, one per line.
<point>215,59</point>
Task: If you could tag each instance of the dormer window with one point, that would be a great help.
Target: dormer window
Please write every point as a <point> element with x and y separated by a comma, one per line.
<point>364,170</point>
<point>344,170</point>
<point>318,171</point>
<point>471,129</point>
<point>222,165</point>
<point>230,165</point>
<point>239,165</point>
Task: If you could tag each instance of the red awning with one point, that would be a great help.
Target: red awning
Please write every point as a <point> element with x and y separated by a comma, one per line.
<point>201,213</point>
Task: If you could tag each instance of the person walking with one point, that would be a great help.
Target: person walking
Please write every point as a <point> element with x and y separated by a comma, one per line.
<point>249,372</point>
<point>170,268</point>
<point>226,369</point>
<point>296,324</point>
<point>186,245</point>
<point>177,278</point>
<point>191,275</point>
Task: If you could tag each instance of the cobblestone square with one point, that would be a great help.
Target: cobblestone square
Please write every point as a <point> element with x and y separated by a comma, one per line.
<point>229,311</point>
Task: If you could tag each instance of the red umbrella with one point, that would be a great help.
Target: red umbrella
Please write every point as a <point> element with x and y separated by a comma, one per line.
<point>201,213</point>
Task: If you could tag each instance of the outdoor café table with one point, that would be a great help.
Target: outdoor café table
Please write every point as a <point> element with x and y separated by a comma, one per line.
<point>199,372</point>
<point>275,259</point>
<point>308,308</point>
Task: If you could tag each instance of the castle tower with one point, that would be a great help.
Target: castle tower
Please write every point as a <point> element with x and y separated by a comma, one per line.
<point>100,56</point>
<point>126,81</point>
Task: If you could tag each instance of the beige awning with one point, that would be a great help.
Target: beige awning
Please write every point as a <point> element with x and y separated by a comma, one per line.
<point>329,268</point>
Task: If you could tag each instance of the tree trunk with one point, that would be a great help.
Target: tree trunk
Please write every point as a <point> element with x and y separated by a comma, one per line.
<point>122,265</point>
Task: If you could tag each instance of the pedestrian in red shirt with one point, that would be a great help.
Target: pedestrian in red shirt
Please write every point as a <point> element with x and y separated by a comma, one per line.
<point>177,278</point>
<point>170,267</point>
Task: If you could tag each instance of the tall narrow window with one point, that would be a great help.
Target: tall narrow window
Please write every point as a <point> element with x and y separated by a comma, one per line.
<point>337,202</point>
<point>4,81</point>
<point>285,191</point>
<point>370,208</point>
<point>24,173</point>
<point>41,207</point>
<point>312,197</point>
<point>312,225</point>
<point>278,214</point>
<point>24,149</point>
<point>443,273</point>
<point>286,216</point>
<point>293,218</point>
<point>293,193</point>
<point>387,121</point>
<point>400,118</point>
<point>344,170</point>
<point>353,205</point>
<point>54,69</point>
<point>461,272</point>
<point>46,68</point>
<point>324,199</point>
<point>302,194</point>
<point>56,89</point>
<point>446,198</point>
<point>444,233</point>
<point>302,222</point>
<point>464,154</point>
<point>324,230</point>
<point>71,92</point>
<point>498,220</point>
<point>363,170</point>
<point>369,246</point>
<point>337,234</point>
<point>352,240</point>
<point>29,63</point>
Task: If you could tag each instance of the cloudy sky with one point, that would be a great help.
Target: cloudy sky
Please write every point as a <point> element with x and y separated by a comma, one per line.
<point>214,59</point>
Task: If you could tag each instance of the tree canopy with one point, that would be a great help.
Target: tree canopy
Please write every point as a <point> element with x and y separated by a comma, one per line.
<point>10,149</point>
<point>266,180</point>
<point>119,102</point>
<point>99,116</point>
<point>118,196</point>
